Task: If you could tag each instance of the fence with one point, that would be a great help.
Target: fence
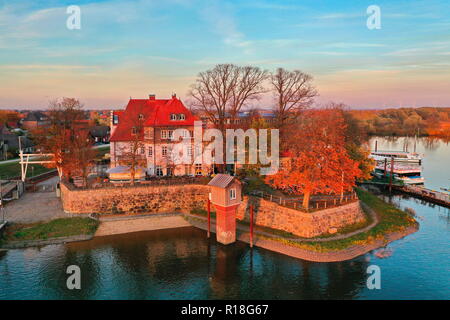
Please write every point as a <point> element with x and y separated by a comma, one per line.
<point>316,202</point>
<point>164,181</point>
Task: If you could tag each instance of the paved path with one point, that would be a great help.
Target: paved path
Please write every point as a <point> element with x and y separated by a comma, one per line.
<point>36,206</point>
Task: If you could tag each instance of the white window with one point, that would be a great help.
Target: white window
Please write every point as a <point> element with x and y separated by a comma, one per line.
<point>186,133</point>
<point>189,151</point>
<point>232,194</point>
<point>150,151</point>
<point>163,134</point>
<point>182,116</point>
<point>141,116</point>
<point>164,151</point>
<point>173,116</point>
<point>142,150</point>
<point>170,133</point>
<point>115,119</point>
<point>159,171</point>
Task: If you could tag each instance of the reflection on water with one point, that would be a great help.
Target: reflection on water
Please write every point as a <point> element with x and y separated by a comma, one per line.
<point>183,264</point>
<point>175,263</point>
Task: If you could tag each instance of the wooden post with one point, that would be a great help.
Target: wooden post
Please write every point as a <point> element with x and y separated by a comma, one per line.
<point>385,167</point>
<point>209,218</point>
<point>251,226</point>
<point>392,173</point>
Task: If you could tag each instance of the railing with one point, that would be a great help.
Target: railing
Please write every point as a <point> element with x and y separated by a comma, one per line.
<point>163,181</point>
<point>316,202</point>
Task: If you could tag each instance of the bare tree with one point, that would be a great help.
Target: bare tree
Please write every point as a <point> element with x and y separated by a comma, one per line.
<point>226,89</point>
<point>293,93</point>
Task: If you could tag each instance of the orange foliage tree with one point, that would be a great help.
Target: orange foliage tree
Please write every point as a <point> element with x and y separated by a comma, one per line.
<point>66,138</point>
<point>319,160</point>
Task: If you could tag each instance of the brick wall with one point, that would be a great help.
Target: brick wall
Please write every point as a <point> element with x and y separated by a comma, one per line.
<point>183,198</point>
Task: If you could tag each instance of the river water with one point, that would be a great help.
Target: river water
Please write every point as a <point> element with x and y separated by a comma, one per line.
<point>183,264</point>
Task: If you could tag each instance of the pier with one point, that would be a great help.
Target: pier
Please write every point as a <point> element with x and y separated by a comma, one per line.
<point>432,196</point>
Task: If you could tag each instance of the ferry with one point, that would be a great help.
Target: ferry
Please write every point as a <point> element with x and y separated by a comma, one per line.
<point>399,156</point>
<point>407,173</point>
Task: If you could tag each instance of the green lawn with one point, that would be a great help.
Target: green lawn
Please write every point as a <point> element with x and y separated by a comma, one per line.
<point>63,227</point>
<point>12,169</point>
<point>102,151</point>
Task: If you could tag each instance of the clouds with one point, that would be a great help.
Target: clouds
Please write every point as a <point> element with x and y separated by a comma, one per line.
<point>132,47</point>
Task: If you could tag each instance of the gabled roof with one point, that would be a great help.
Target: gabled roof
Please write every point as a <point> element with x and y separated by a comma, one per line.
<point>221,180</point>
<point>35,116</point>
<point>156,113</point>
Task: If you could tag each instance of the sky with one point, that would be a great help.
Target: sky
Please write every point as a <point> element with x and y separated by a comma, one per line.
<point>138,47</point>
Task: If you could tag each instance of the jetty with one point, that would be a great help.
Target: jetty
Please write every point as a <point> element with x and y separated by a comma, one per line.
<point>440,198</point>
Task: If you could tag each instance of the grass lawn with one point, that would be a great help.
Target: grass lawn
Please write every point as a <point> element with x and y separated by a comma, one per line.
<point>101,151</point>
<point>12,169</point>
<point>63,227</point>
<point>390,219</point>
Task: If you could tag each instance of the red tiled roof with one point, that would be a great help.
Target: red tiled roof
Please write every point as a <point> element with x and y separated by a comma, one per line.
<point>156,114</point>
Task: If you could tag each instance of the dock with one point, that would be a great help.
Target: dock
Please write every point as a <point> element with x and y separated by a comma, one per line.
<point>429,195</point>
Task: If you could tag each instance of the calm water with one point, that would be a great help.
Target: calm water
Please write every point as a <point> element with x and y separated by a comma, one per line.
<point>183,264</point>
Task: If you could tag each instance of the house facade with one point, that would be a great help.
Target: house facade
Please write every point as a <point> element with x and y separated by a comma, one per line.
<point>147,125</point>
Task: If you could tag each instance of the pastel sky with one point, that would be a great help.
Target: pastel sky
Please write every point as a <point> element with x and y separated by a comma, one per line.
<point>136,47</point>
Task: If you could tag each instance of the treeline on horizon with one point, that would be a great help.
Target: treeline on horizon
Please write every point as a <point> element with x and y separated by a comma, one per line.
<point>423,121</point>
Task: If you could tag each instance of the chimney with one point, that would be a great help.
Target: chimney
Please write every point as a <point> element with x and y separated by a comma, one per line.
<point>174,95</point>
<point>151,96</point>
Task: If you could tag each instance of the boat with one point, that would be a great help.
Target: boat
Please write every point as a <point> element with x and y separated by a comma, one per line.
<point>406,173</point>
<point>398,156</point>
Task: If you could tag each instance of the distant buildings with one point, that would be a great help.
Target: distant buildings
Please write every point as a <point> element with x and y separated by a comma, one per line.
<point>34,119</point>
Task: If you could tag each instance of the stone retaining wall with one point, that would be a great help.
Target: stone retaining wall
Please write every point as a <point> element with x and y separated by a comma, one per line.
<point>303,224</point>
<point>137,199</point>
<point>184,198</point>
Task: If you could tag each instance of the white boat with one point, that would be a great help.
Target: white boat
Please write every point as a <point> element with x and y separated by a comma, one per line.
<point>399,156</point>
<point>407,173</point>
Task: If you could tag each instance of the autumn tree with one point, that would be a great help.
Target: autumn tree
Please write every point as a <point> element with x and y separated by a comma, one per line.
<point>65,120</point>
<point>80,154</point>
<point>320,162</point>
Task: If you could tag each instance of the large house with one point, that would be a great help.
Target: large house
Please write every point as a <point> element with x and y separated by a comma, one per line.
<point>156,119</point>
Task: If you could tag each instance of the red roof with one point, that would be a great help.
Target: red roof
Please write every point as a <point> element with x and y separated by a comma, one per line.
<point>156,113</point>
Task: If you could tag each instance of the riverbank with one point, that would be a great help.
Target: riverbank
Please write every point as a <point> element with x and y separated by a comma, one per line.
<point>114,225</point>
<point>386,224</point>
<point>19,235</point>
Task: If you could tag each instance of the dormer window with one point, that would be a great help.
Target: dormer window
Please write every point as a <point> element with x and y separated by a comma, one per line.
<point>141,116</point>
<point>177,116</point>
